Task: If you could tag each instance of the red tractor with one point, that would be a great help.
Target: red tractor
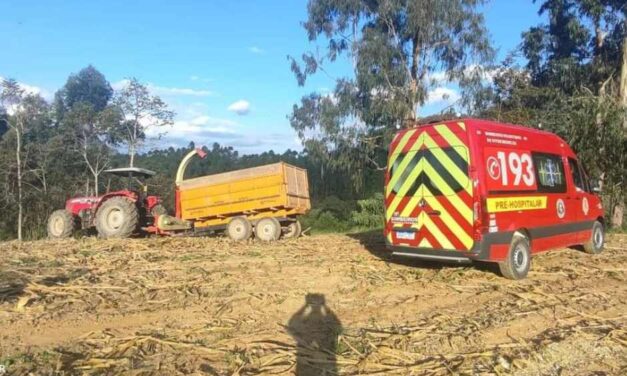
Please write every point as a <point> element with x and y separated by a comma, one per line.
<point>118,214</point>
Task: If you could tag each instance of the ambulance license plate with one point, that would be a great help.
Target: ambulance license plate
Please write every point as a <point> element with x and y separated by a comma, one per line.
<point>406,235</point>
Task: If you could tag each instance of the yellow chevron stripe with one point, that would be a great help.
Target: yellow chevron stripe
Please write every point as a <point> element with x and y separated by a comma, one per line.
<point>399,147</point>
<point>435,177</point>
<point>448,220</point>
<point>461,124</point>
<point>398,172</point>
<point>446,217</point>
<point>424,243</point>
<point>449,165</point>
<point>434,230</point>
<point>452,140</point>
<point>453,198</point>
<point>405,187</point>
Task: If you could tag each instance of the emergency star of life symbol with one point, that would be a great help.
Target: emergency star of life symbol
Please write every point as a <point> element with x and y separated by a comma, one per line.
<point>561,209</point>
<point>494,168</point>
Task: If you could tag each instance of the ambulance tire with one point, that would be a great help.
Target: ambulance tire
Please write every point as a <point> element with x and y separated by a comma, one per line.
<point>518,261</point>
<point>594,246</point>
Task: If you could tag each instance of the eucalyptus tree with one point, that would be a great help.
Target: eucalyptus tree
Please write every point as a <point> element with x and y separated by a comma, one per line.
<point>24,114</point>
<point>140,112</point>
<point>572,85</point>
<point>398,50</point>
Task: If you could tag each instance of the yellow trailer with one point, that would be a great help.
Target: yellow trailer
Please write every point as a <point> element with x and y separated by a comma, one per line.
<point>266,200</point>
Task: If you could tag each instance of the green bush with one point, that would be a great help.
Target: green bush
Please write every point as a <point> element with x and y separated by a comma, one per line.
<point>335,215</point>
<point>370,213</point>
<point>323,221</point>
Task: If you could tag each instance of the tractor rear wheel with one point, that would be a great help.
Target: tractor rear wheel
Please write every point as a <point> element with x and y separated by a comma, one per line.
<point>117,218</point>
<point>61,224</point>
<point>239,229</point>
<point>292,230</point>
<point>268,229</point>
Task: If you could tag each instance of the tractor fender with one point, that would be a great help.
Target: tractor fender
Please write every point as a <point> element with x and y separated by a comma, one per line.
<point>132,196</point>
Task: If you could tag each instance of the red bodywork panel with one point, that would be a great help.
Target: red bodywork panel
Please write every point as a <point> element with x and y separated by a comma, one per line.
<point>462,188</point>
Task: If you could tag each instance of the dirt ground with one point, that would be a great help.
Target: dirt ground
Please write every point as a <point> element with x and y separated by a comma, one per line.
<point>312,306</point>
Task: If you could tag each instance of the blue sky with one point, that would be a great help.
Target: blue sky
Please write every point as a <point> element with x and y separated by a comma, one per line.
<point>221,65</point>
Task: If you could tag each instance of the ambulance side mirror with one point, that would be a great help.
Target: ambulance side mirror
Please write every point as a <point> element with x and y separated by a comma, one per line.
<point>595,185</point>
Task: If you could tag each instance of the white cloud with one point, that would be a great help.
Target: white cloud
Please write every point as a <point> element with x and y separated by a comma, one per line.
<point>256,50</point>
<point>437,78</point>
<point>194,78</point>
<point>241,107</point>
<point>166,91</point>
<point>205,130</point>
<point>442,95</point>
<point>198,129</point>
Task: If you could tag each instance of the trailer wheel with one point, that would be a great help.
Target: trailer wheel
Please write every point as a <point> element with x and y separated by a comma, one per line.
<point>597,239</point>
<point>293,230</point>
<point>61,224</point>
<point>239,228</point>
<point>518,261</point>
<point>268,229</point>
<point>117,218</point>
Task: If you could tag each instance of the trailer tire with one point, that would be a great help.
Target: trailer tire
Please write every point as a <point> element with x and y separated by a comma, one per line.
<point>61,224</point>
<point>293,230</point>
<point>518,261</point>
<point>597,239</point>
<point>117,217</point>
<point>239,229</point>
<point>268,229</point>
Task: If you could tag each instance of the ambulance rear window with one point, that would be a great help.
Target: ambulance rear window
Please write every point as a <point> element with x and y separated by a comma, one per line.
<point>444,171</point>
<point>549,173</point>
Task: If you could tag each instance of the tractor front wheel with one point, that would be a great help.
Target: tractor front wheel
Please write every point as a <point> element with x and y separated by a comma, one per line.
<point>61,224</point>
<point>117,218</point>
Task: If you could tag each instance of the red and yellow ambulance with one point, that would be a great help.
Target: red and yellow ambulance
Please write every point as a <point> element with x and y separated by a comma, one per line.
<point>470,189</point>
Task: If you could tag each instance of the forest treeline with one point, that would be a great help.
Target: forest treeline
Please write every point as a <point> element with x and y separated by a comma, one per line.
<point>567,75</point>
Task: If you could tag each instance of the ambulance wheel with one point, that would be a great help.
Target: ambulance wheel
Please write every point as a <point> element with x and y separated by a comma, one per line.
<point>292,230</point>
<point>61,224</point>
<point>597,239</point>
<point>239,229</point>
<point>518,261</point>
<point>268,229</point>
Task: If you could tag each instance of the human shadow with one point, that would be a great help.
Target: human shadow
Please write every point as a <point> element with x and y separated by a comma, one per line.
<point>374,242</point>
<point>315,329</point>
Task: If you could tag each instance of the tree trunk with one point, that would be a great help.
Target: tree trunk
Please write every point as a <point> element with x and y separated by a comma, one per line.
<point>623,82</point>
<point>96,183</point>
<point>131,154</point>
<point>619,209</point>
<point>18,159</point>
